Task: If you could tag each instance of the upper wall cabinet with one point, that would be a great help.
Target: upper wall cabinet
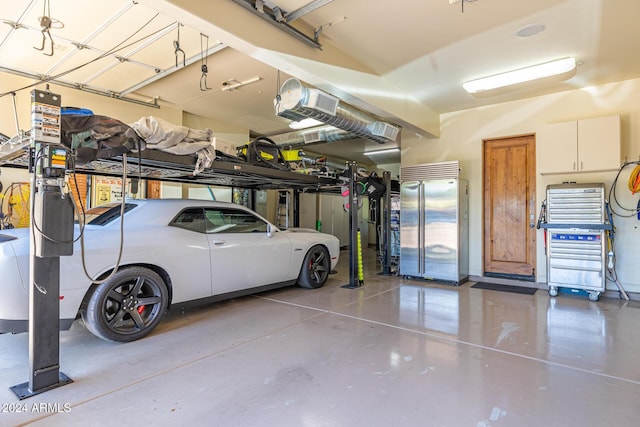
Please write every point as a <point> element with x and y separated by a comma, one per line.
<point>589,145</point>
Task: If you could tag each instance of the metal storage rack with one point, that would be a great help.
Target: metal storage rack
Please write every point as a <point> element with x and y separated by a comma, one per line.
<point>576,243</point>
<point>395,227</point>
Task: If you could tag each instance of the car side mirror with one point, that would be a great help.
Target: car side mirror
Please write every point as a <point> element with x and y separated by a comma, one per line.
<point>269,233</point>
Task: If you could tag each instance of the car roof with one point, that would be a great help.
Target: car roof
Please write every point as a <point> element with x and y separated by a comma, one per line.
<point>182,202</point>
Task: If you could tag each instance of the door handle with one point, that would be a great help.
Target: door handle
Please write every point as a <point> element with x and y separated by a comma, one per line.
<point>219,242</point>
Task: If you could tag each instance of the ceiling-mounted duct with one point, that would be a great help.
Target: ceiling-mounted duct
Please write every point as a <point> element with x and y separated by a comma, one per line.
<point>311,136</point>
<point>297,101</point>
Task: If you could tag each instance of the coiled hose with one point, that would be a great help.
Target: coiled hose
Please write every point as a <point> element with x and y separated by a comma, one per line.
<point>634,180</point>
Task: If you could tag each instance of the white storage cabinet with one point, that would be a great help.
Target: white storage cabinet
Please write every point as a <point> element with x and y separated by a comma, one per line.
<point>588,145</point>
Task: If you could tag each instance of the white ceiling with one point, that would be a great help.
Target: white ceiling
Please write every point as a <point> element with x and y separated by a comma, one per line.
<point>405,60</point>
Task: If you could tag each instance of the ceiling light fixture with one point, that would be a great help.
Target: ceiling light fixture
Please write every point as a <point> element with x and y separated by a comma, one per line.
<point>378,152</point>
<point>305,123</point>
<point>530,30</point>
<point>535,72</point>
<point>233,84</point>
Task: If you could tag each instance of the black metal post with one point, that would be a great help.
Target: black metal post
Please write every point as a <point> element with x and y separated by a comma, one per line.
<point>296,207</point>
<point>353,228</point>
<point>52,217</point>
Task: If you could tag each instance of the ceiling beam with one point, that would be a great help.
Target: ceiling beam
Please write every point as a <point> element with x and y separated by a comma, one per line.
<point>78,86</point>
<point>307,8</point>
<point>276,18</point>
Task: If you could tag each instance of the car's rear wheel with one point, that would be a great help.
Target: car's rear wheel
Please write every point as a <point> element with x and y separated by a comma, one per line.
<point>128,306</point>
<point>315,268</point>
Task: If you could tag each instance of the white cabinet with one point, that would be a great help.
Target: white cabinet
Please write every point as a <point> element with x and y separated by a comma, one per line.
<point>335,220</point>
<point>599,144</point>
<point>332,216</point>
<point>588,145</point>
<point>557,147</point>
<point>308,204</point>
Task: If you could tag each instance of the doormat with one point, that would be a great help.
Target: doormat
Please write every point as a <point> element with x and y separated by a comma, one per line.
<point>505,288</point>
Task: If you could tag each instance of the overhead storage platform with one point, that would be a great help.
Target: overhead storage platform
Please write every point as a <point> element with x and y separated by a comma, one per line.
<point>159,165</point>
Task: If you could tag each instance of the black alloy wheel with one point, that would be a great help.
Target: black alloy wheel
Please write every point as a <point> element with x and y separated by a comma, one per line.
<point>128,306</point>
<point>315,268</point>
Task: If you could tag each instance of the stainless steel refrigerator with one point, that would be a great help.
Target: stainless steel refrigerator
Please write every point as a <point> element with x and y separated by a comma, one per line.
<point>434,229</point>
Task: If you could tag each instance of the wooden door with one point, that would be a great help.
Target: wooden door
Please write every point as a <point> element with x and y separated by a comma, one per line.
<point>153,189</point>
<point>509,207</point>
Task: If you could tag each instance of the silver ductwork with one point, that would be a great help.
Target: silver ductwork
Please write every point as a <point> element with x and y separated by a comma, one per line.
<point>295,101</point>
<point>324,161</point>
<point>313,135</point>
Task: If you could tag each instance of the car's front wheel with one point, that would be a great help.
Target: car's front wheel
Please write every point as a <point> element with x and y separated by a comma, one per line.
<point>315,268</point>
<point>126,307</point>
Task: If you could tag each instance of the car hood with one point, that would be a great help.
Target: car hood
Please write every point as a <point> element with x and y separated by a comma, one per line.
<point>300,230</point>
<point>13,233</point>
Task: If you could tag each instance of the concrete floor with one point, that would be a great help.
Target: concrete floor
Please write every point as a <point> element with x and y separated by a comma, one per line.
<point>393,353</point>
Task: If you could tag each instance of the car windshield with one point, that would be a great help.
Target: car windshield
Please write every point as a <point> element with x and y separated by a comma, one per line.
<point>104,214</point>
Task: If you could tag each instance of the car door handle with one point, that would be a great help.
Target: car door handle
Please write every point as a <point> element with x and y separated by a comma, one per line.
<point>219,242</point>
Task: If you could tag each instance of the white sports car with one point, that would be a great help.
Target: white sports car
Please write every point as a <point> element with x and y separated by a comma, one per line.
<point>174,251</point>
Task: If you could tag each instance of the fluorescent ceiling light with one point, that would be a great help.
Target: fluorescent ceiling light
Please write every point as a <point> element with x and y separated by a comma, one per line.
<point>522,75</point>
<point>305,123</point>
<point>377,152</point>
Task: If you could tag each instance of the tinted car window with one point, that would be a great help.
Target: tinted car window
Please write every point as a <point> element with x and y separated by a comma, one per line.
<point>102,215</point>
<point>229,220</point>
<point>192,219</point>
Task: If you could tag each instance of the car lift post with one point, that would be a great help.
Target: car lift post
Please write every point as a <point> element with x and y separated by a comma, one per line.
<point>51,236</point>
<point>353,229</point>
<point>296,207</point>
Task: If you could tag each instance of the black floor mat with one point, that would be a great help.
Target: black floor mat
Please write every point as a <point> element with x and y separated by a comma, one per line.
<point>505,288</point>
